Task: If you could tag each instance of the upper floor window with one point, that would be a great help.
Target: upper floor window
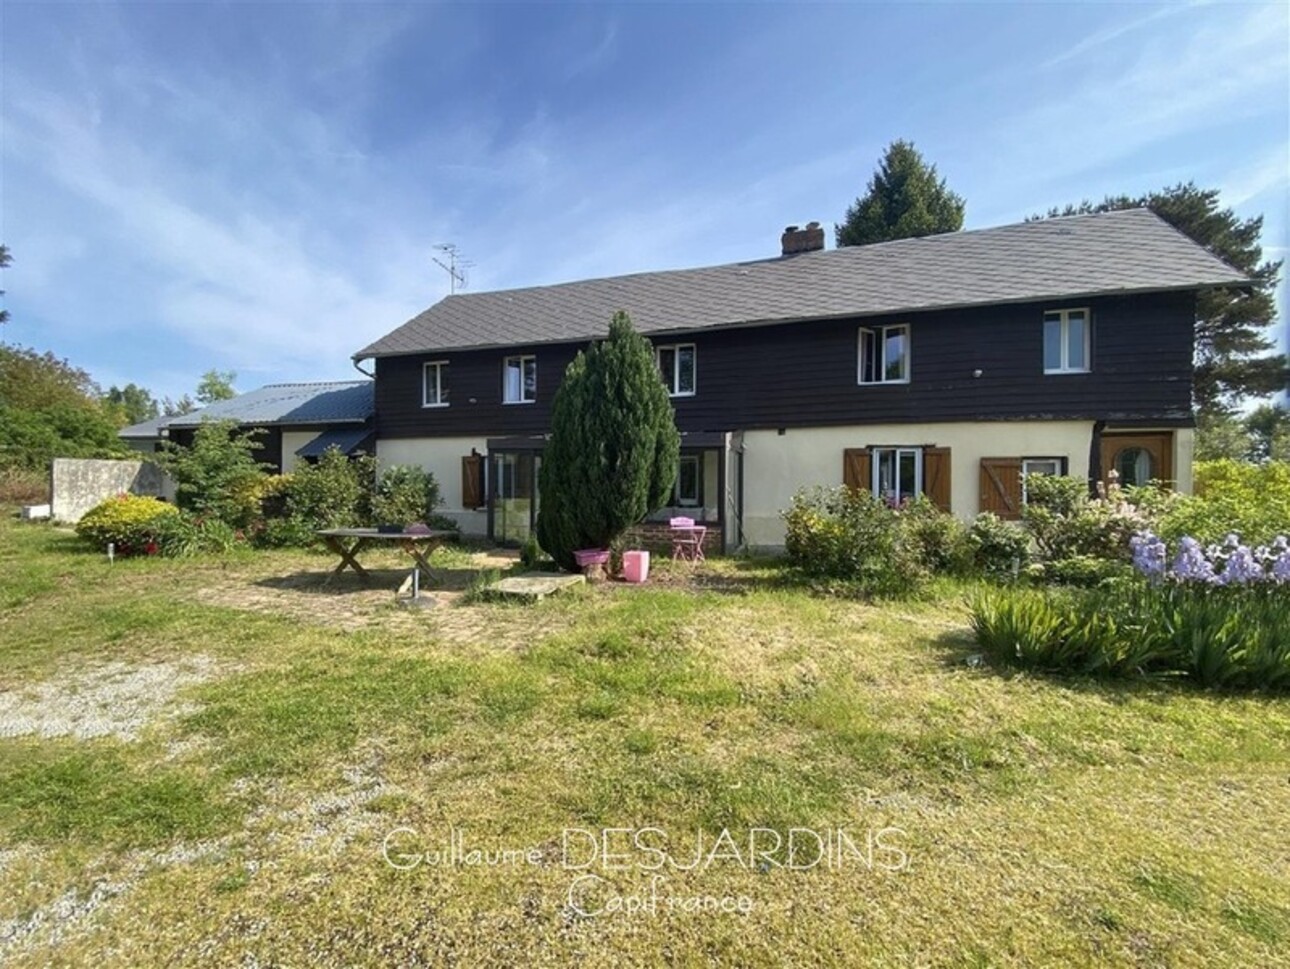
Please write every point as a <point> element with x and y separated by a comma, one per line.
<point>677,365</point>
<point>1066,341</point>
<point>519,379</point>
<point>434,384</point>
<point>884,355</point>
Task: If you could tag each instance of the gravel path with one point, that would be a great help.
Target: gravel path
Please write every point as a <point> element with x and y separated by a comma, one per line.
<point>112,700</point>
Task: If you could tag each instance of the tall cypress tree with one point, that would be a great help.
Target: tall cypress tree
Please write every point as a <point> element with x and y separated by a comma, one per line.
<point>904,200</point>
<point>614,448</point>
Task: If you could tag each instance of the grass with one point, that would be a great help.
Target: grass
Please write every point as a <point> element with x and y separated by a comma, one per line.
<point>1044,821</point>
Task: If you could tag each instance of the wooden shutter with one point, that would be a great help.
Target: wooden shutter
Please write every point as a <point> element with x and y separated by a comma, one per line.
<point>1001,486</point>
<point>472,481</point>
<point>936,476</point>
<point>855,468</point>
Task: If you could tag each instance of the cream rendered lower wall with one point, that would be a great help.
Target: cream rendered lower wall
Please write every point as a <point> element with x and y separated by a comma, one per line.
<point>441,456</point>
<point>777,465</point>
<point>1184,455</point>
<point>291,442</point>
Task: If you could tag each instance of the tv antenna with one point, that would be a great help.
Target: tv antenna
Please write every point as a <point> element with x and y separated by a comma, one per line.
<point>455,266</point>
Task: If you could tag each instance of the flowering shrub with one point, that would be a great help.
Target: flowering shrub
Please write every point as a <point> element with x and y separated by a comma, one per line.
<point>1218,613</point>
<point>1230,563</point>
<point>1067,524</point>
<point>130,522</point>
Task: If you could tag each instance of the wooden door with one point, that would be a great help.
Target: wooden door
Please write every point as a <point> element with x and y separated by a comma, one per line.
<point>1139,458</point>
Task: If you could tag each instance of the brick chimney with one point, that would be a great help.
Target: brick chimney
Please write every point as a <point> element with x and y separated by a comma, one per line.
<point>795,240</point>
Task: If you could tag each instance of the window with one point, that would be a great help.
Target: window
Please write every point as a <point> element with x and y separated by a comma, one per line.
<point>1134,466</point>
<point>519,380</point>
<point>677,365</point>
<point>689,482</point>
<point>884,355</point>
<point>434,384</point>
<point>897,473</point>
<point>1050,466</point>
<point>1066,341</point>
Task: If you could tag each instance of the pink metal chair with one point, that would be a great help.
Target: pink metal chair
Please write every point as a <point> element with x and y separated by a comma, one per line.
<point>687,540</point>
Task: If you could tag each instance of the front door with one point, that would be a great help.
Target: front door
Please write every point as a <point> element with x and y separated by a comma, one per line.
<point>514,502</point>
<point>1138,458</point>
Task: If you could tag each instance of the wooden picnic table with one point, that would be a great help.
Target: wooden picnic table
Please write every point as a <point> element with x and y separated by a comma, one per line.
<point>349,542</point>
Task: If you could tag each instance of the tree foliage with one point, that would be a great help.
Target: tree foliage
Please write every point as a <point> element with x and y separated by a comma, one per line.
<point>1235,353</point>
<point>614,448</point>
<point>217,474</point>
<point>5,259</point>
<point>131,404</point>
<point>904,200</point>
<point>216,385</point>
<point>1261,435</point>
<point>50,409</point>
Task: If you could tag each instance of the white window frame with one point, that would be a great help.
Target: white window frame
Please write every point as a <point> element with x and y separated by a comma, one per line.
<point>1025,470</point>
<point>677,499</point>
<point>1063,316</point>
<point>520,358</point>
<point>439,367</point>
<point>879,333</point>
<point>674,383</point>
<point>875,469</point>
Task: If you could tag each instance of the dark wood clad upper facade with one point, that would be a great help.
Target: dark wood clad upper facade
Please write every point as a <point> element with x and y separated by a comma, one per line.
<point>804,374</point>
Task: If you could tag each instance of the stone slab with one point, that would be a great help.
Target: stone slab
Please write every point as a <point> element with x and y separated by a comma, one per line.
<point>534,585</point>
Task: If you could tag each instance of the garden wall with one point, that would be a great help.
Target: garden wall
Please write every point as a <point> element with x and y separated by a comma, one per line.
<point>78,484</point>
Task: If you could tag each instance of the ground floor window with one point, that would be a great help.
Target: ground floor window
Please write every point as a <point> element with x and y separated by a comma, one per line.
<point>1050,466</point>
<point>897,473</point>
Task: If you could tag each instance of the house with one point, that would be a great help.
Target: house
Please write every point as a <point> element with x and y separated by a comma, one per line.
<point>299,421</point>
<point>949,366</point>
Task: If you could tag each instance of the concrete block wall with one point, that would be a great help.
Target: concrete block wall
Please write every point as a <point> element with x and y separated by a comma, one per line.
<point>78,484</point>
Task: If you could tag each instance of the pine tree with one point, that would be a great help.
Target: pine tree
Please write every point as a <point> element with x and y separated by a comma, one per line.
<point>904,200</point>
<point>614,448</point>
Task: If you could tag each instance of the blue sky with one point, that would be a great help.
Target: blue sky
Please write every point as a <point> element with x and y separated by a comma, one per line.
<point>260,187</point>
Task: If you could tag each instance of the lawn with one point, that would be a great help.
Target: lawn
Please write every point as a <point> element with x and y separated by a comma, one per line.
<point>221,762</point>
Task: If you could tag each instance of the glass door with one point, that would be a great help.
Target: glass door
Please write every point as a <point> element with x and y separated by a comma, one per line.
<point>514,497</point>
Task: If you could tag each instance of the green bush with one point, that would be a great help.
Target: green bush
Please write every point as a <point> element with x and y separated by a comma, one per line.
<point>999,548</point>
<point>1078,570</point>
<point>217,475</point>
<point>939,540</point>
<point>130,522</point>
<point>334,493</point>
<point>848,536</point>
<point>184,534</point>
<point>1252,500</point>
<point>1227,636</point>
<point>283,533</point>
<point>404,495</point>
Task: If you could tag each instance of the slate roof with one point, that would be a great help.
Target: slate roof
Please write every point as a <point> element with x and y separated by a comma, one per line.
<point>144,430</point>
<point>337,402</point>
<point>1087,255</point>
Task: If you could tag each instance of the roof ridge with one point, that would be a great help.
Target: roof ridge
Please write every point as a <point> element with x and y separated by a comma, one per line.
<point>868,247</point>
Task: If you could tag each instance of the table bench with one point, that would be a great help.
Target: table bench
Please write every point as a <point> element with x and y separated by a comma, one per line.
<point>348,543</point>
